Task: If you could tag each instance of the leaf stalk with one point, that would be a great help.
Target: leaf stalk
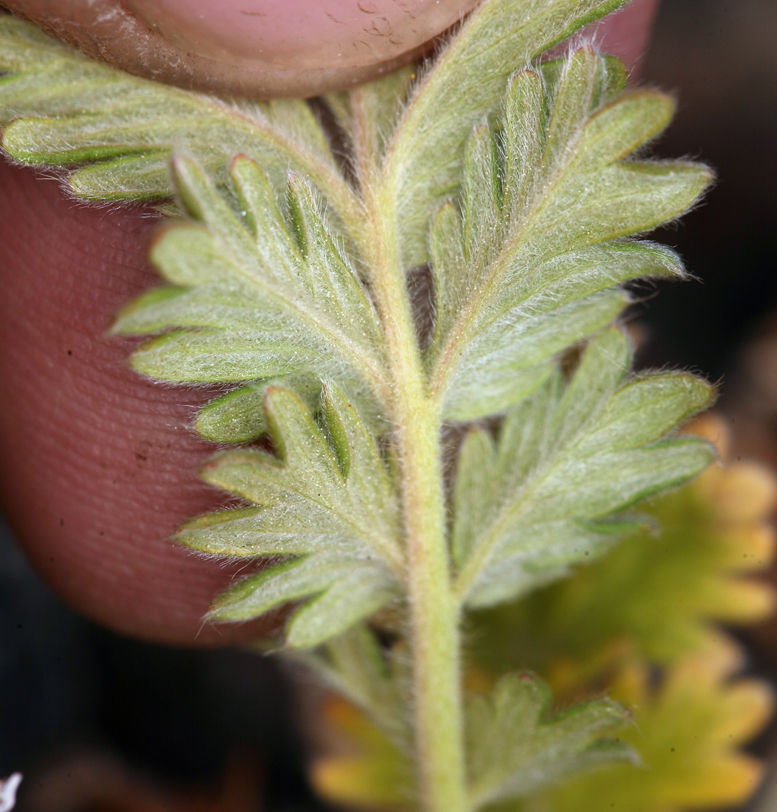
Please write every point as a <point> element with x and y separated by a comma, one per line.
<point>434,617</point>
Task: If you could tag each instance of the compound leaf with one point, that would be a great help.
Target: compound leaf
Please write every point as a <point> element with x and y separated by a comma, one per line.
<point>713,533</point>
<point>425,156</point>
<point>327,500</point>
<point>517,747</point>
<point>530,260</point>
<point>259,297</point>
<point>62,108</point>
<point>568,459</point>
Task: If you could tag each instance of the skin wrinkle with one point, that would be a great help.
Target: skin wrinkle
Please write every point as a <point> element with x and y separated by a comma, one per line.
<point>84,439</point>
<point>98,465</point>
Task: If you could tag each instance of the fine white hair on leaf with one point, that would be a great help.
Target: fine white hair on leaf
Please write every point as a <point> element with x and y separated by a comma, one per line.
<point>530,258</point>
<point>549,493</point>
<point>508,201</point>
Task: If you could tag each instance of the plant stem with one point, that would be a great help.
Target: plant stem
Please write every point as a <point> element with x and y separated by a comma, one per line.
<point>434,617</point>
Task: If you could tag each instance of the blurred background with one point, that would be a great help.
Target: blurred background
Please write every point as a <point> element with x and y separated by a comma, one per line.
<point>99,723</point>
<point>721,61</point>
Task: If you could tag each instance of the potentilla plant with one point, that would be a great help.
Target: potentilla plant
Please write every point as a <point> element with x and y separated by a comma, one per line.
<point>519,184</point>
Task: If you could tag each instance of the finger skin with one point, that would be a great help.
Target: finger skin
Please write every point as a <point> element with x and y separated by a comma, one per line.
<point>98,465</point>
<point>259,48</point>
<point>287,51</point>
<point>627,33</point>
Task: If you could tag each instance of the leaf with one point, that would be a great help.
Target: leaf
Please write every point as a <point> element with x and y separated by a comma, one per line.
<point>374,677</point>
<point>345,590</point>
<point>368,115</point>
<point>466,84</point>
<point>357,668</point>
<point>238,416</point>
<point>687,732</point>
<point>567,460</point>
<point>258,297</point>
<point>529,262</point>
<point>372,774</point>
<point>659,652</point>
<point>67,109</point>
<point>713,533</point>
<point>325,499</point>
<point>517,746</point>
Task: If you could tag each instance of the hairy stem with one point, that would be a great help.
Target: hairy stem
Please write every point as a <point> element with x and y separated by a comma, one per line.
<point>434,618</point>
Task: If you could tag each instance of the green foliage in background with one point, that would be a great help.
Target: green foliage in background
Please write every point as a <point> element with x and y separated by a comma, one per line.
<point>522,185</point>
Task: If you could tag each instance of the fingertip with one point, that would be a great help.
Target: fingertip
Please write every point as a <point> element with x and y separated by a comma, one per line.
<point>97,465</point>
<point>627,33</point>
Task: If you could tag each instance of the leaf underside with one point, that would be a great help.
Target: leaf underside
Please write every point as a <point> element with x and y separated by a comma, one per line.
<point>324,504</point>
<point>465,85</point>
<point>712,535</point>
<point>118,132</point>
<point>517,747</point>
<point>257,294</point>
<point>567,462</point>
<point>529,259</point>
<point>527,256</point>
<point>522,185</point>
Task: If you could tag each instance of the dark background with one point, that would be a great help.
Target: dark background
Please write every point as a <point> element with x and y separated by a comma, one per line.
<point>100,722</point>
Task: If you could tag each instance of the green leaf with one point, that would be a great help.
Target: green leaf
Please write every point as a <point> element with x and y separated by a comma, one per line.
<point>567,460</point>
<point>688,730</point>
<point>529,262</point>
<point>517,746</point>
<point>238,416</point>
<point>713,532</point>
<point>354,664</point>
<point>326,498</point>
<point>376,681</point>
<point>267,297</point>
<point>672,587</point>
<point>465,85</point>
<point>476,465</point>
<point>62,108</point>
<point>368,116</point>
<point>344,591</point>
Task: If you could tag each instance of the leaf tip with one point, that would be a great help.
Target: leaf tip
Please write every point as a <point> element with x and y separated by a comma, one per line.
<point>239,161</point>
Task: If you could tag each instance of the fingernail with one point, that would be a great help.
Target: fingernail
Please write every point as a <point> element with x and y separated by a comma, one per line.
<point>300,34</point>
